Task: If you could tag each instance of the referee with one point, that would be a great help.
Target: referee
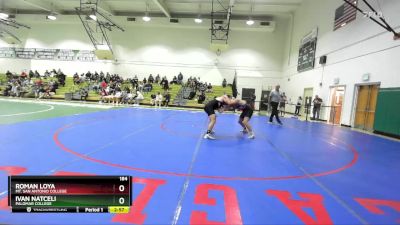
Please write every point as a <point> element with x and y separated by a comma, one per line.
<point>274,99</point>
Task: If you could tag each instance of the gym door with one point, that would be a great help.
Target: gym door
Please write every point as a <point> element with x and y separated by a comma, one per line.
<point>366,105</point>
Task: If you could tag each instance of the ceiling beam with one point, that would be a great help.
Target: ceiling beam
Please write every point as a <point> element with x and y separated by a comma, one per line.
<point>260,17</point>
<point>40,5</point>
<point>105,8</point>
<point>163,7</point>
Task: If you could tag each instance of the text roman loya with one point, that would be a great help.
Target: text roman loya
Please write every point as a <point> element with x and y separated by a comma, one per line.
<point>35,186</point>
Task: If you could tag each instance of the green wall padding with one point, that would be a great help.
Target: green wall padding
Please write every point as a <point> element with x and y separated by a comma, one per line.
<point>387,116</point>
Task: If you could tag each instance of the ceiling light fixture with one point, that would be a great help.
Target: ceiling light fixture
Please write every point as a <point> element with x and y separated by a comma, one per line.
<point>146,17</point>
<point>51,17</point>
<point>250,22</point>
<point>198,20</point>
<point>93,15</point>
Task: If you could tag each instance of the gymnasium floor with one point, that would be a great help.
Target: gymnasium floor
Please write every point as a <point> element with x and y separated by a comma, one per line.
<point>299,173</point>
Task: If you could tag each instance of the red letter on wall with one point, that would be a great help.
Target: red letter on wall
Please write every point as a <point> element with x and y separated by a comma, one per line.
<point>232,211</point>
<point>309,200</point>
<point>372,205</point>
<point>136,215</point>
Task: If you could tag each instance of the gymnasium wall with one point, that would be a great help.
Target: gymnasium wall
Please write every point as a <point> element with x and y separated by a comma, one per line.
<point>166,49</point>
<point>356,49</point>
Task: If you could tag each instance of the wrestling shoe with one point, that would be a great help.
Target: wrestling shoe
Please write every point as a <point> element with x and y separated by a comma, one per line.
<point>209,136</point>
<point>251,135</point>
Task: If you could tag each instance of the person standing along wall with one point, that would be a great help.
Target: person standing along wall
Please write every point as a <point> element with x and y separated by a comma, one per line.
<point>274,99</point>
<point>298,106</point>
<point>317,107</point>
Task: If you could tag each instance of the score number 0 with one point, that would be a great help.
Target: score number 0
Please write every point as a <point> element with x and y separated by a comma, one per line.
<point>121,188</point>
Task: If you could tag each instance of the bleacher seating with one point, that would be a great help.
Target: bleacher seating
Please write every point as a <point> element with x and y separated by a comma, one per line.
<point>177,92</point>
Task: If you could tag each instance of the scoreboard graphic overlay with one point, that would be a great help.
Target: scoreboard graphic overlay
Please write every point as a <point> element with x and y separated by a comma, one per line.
<point>70,194</point>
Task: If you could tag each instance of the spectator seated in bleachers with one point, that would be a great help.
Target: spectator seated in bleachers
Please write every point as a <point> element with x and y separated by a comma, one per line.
<point>7,90</point>
<point>126,97</point>
<point>151,79</point>
<point>157,81</point>
<point>201,98</point>
<point>36,74</point>
<point>9,75</point>
<point>138,98</point>
<point>147,88</point>
<point>164,83</point>
<point>180,78</point>
<point>159,99</point>
<point>209,88</point>
<point>84,94</point>
<point>88,75</point>
<point>44,92</point>
<point>31,74</point>
<point>108,95</point>
<point>167,99</point>
<point>76,79</point>
<point>61,78</point>
<point>23,75</point>
<point>152,99</point>
<point>53,73</point>
<point>224,83</point>
<point>118,95</point>
<point>46,74</point>
<point>174,80</point>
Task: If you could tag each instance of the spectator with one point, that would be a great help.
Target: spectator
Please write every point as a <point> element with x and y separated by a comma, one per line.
<point>138,98</point>
<point>31,74</point>
<point>209,88</point>
<point>61,78</point>
<point>152,99</point>
<point>224,83</point>
<point>88,75</point>
<point>46,74</point>
<point>157,79</point>
<point>298,106</point>
<point>151,79</point>
<point>147,88</point>
<point>165,84</point>
<point>274,99</point>
<point>180,78</point>
<point>84,94</point>
<point>23,74</point>
<point>37,74</point>
<point>7,90</point>
<point>9,74</point>
<point>317,107</point>
<point>103,85</point>
<point>252,100</point>
<point>201,98</point>
<point>76,79</point>
<point>167,97</point>
<point>282,104</point>
<point>159,99</point>
<point>174,80</point>
<point>144,81</point>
